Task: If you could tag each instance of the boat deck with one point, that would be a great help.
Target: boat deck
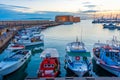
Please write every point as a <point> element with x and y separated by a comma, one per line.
<point>14,58</point>
<point>79,66</point>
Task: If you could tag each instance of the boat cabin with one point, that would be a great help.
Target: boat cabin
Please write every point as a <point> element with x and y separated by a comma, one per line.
<point>111,57</point>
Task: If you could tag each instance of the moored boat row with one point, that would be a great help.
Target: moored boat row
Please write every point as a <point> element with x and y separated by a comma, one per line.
<point>111,26</point>
<point>18,56</point>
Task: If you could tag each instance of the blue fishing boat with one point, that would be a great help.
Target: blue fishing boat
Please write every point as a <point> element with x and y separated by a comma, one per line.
<point>78,63</point>
<point>108,57</point>
<point>77,58</point>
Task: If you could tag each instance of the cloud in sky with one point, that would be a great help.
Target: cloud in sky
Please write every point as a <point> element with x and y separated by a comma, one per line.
<point>12,6</point>
<point>90,6</point>
<point>90,11</point>
<point>86,3</point>
<point>7,13</point>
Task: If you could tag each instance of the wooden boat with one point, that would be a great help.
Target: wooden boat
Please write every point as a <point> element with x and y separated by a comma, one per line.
<point>14,62</point>
<point>108,57</point>
<point>50,65</point>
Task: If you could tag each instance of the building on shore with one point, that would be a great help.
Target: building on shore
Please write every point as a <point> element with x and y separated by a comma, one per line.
<point>67,18</point>
<point>76,19</point>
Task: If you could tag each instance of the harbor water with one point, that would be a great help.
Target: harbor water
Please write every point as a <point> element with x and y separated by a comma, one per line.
<point>57,37</point>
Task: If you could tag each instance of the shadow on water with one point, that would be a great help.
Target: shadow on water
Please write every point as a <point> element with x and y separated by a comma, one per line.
<point>34,46</point>
<point>36,49</point>
<point>70,73</point>
<point>100,71</point>
<point>19,74</point>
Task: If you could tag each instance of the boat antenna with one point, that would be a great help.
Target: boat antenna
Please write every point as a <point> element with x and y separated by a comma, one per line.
<point>77,39</point>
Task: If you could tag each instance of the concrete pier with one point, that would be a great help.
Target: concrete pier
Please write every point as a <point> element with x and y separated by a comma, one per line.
<point>17,25</point>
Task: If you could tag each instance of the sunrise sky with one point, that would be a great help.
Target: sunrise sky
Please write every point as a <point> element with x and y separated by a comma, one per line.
<point>59,6</point>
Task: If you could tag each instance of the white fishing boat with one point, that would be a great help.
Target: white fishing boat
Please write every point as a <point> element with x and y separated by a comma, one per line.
<point>14,62</point>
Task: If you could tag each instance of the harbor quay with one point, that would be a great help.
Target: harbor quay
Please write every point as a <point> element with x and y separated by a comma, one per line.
<point>76,78</point>
<point>9,28</point>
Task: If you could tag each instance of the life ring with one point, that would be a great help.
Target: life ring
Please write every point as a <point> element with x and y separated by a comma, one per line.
<point>77,58</point>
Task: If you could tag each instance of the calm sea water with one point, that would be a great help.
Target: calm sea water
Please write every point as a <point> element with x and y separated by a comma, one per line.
<point>57,37</point>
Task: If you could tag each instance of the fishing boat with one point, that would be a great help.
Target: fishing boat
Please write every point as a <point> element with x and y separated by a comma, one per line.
<point>50,65</point>
<point>77,58</point>
<point>109,26</point>
<point>14,47</point>
<point>78,63</point>
<point>14,62</point>
<point>107,57</point>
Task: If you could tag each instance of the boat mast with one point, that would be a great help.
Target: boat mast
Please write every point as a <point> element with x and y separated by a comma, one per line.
<point>81,33</point>
<point>77,39</point>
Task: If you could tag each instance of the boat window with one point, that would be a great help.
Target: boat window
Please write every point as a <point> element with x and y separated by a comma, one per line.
<point>116,55</point>
<point>107,54</point>
<point>49,65</point>
<point>45,65</point>
<point>52,65</point>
